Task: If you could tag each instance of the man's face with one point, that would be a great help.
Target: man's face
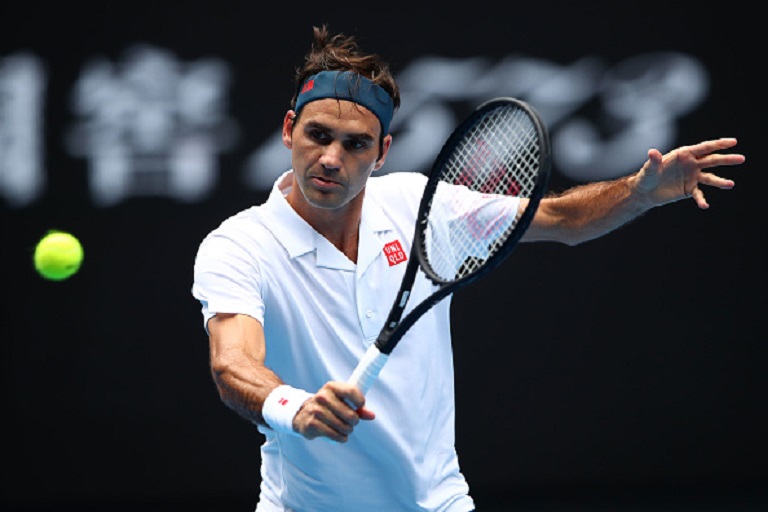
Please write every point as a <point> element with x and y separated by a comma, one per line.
<point>335,148</point>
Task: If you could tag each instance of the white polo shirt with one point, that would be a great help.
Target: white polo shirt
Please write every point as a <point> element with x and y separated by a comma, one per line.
<point>320,312</point>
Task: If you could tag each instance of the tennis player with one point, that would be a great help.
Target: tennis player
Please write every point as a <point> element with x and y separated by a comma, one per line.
<point>294,290</point>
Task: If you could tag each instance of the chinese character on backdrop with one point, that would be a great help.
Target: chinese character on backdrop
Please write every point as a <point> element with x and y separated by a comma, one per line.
<point>151,125</point>
<point>22,95</point>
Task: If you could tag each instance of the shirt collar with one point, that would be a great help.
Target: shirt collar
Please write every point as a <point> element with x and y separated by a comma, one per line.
<point>300,238</point>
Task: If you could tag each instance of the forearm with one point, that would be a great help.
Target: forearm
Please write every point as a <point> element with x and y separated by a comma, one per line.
<point>587,211</point>
<point>243,384</point>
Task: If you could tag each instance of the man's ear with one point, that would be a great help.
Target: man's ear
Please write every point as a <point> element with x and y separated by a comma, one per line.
<point>384,150</point>
<point>288,120</point>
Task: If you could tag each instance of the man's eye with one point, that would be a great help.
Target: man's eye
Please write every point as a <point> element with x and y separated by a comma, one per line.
<point>356,144</point>
<point>319,135</point>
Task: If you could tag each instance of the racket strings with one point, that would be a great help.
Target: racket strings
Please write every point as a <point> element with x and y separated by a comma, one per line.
<point>472,213</point>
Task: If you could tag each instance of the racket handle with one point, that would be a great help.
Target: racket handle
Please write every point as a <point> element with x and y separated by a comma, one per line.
<point>368,368</point>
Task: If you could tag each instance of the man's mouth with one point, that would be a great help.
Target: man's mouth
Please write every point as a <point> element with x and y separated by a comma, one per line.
<point>323,179</point>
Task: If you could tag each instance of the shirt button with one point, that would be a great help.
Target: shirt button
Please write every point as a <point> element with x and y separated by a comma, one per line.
<point>369,313</point>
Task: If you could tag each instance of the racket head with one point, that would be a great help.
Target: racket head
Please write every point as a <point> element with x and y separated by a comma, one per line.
<point>500,150</point>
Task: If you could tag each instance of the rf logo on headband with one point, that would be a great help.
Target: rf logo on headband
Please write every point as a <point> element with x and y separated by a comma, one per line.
<point>308,85</point>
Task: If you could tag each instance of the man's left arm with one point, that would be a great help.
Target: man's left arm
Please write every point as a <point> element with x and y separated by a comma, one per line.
<point>592,210</point>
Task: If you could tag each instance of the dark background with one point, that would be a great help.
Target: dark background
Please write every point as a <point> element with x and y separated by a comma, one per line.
<point>628,370</point>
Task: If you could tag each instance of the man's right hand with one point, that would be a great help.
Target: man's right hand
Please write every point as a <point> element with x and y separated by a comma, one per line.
<point>333,412</point>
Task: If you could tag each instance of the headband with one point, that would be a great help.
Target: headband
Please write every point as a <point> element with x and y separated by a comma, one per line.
<point>346,85</point>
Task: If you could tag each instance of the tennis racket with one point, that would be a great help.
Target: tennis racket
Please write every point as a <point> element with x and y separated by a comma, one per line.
<point>468,220</point>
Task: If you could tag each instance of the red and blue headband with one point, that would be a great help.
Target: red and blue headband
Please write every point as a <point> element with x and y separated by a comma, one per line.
<point>346,85</point>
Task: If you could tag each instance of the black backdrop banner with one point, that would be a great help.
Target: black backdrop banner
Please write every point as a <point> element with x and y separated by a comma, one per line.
<point>636,361</point>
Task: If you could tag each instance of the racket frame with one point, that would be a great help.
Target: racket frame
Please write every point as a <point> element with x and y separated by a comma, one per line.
<point>396,326</point>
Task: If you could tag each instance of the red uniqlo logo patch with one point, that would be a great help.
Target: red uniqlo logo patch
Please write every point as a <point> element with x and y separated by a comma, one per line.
<point>283,401</point>
<point>308,86</point>
<point>394,253</point>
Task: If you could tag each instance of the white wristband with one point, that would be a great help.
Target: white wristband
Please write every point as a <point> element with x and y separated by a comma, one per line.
<point>281,406</point>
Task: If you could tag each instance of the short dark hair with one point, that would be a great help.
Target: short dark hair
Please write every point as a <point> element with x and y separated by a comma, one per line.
<point>341,53</point>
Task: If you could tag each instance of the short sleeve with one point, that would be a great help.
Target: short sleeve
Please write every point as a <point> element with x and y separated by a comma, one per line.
<point>227,279</point>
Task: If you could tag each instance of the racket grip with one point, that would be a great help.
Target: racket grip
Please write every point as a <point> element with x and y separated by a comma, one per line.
<point>368,368</point>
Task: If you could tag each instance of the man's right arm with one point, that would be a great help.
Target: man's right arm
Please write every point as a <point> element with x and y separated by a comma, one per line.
<point>237,353</point>
<point>237,356</point>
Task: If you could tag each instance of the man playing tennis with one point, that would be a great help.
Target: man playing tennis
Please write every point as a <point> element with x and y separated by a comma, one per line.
<point>294,290</point>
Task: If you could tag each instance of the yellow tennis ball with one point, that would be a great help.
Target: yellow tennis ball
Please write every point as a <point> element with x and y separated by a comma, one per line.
<point>58,255</point>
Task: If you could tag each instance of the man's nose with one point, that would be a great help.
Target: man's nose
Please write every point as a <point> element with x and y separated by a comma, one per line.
<point>333,154</point>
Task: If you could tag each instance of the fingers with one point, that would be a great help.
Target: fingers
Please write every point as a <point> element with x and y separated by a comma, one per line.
<point>655,159</point>
<point>655,156</point>
<point>706,158</point>
<point>698,196</point>
<point>706,154</point>
<point>718,160</point>
<point>332,412</point>
<point>366,414</point>
<point>707,178</point>
<point>710,146</point>
<point>680,173</point>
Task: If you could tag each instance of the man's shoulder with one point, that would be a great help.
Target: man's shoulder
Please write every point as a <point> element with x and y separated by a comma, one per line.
<point>250,216</point>
<point>399,178</point>
<point>398,183</point>
<point>245,225</point>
